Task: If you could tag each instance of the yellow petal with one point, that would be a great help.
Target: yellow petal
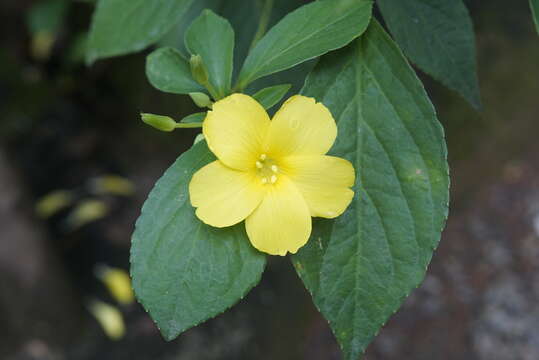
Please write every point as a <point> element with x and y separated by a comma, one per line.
<point>301,127</point>
<point>235,130</point>
<point>224,196</point>
<point>323,181</point>
<point>282,222</point>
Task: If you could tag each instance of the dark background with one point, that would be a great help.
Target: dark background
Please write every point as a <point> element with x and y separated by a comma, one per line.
<point>63,124</point>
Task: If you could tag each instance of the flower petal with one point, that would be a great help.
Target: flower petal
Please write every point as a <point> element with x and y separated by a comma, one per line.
<point>282,222</point>
<point>324,182</point>
<point>223,196</point>
<point>301,127</point>
<point>235,129</point>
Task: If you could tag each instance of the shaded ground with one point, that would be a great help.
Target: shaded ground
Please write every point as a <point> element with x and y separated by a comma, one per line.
<point>61,127</point>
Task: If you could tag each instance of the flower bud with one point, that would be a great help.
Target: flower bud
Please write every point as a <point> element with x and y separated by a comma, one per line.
<point>201,100</point>
<point>198,70</point>
<point>160,122</point>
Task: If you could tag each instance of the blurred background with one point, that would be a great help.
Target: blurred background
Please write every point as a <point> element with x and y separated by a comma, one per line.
<point>76,164</point>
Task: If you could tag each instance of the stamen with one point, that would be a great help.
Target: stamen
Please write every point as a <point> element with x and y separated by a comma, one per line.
<point>264,180</point>
<point>259,165</point>
<point>273,179</point>
<point>263,157</point>
<point>274,168</point>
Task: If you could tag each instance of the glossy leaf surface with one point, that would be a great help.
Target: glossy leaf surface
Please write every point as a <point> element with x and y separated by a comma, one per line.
<point>125,26</point>
<point>361,266</point>
<point>306,33</point>
<point>437,36</point>
<point>168,71</point>
<point>184,271</point>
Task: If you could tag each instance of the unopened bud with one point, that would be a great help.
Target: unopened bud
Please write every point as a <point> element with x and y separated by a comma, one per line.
<point>160,122</point>
<point>201,100</point>
<point>198,70</point>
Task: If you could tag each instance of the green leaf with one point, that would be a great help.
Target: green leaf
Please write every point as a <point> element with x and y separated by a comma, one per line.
<point>243,15</point>
<point>125,26</point>
<point>438,36</point>
<point>270,96</point>
<point>212,37</point>
<point>534,6</point>
<point>168,71</point>
<point>194,118</point>
<point>201,100</point>
<point>360,266</point>
<point>308,32</point>
<point>184,271</point>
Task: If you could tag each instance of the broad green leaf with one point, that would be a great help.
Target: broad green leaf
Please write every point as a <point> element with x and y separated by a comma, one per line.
<point>194,118</point>
<point>184,271</point>
<point>308,32</point>
<point>270,96</point>
<point>125,26</point>
<point>168,71</point>
<point>212,37</point>
<point>438,36</point>
<point>360,266</point>
<point>534,6</point>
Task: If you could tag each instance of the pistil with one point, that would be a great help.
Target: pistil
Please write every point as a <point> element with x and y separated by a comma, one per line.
<point>267,169</point>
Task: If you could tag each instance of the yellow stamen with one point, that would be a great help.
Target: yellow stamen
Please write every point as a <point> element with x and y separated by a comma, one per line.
<point>259,165</point>
<point>273,179</point>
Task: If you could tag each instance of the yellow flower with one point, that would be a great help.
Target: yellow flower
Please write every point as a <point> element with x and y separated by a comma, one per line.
<point>272,174</point>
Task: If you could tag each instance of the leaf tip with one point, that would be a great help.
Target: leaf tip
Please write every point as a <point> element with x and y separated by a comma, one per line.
<point>168,334</point>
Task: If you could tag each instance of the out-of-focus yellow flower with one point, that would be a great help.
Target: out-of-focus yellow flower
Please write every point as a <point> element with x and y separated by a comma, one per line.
<point>272,173</point>
<point>86,212</point>
<point>117,282</point>
<point>53,202</point>
<point>109,317</point>
<point>112,184</point>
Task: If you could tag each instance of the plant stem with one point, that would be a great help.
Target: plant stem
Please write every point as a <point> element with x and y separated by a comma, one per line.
<point>262,27</point>
<point>263,24</point>
<point>188,125</point>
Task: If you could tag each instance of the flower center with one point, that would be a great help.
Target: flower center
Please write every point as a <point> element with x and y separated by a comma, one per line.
<point>267,169</point>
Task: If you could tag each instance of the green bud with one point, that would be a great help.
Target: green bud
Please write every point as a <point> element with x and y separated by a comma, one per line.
<point>160,122</point>
<point>198,70</point>
<point>201,100</point>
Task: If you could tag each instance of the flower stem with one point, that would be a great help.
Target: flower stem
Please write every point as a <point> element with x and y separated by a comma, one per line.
<point>262,27</point>
<point>263,24</point>
<point>188,125</point>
